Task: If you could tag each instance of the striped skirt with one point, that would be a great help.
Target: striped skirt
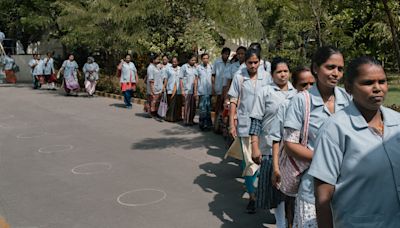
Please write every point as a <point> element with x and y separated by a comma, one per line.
<point>190,109</point>
<point>268,196</point>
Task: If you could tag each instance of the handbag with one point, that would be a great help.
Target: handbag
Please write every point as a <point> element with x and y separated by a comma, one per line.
<point>162,109</point>
<point>291,169</point>
<point>235,150</point>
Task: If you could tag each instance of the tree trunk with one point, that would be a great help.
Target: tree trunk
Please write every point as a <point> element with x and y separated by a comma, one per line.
<point>394,32</point>
<point>317,16</point>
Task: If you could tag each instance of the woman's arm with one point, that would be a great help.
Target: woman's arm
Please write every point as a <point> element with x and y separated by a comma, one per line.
<point>276,174</point>
<point>232,114</point>
<point>323,197</point>
<point>298,151</point>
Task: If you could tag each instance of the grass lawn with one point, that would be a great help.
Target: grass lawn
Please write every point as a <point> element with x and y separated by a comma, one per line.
<point>393,96</point>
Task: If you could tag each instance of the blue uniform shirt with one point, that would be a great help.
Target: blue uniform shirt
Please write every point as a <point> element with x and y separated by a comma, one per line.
<point>265,108</point>
<point>188,74</point>
<point>363,166</point>
<point>245,89</point>
<point>173,79</point>
<point>319,113</point>
<point>204,83</point>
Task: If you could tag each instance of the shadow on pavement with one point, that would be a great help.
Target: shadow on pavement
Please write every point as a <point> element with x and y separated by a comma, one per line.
<point>118,105</point>
<point>219,179</point>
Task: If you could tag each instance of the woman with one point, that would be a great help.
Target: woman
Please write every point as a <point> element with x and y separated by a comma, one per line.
<point>154,81</point>
<point>245,85</point>
<point>264,112</point>
<point>10,69</point>
<point>49,71</point>
<point>188,74</point>
<point>204,88</point>
<point>325,99</point>
<point>128,79</point>
<point>70,72</point>
<point>91,72</point>
<point>35,66</point>
<point>356,163</point>
<point>302,79</point>
<point>174,92</point>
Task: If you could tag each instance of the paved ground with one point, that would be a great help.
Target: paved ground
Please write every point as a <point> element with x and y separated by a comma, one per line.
<point>88,162</point>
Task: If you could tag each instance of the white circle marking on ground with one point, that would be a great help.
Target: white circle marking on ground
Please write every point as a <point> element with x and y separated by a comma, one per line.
<point>163,197</point>
<point>102,165</point>
<point>55,148</point>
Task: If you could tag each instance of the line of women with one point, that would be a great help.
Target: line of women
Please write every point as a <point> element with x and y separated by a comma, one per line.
<point>342,142</point>
<point>43,71</point>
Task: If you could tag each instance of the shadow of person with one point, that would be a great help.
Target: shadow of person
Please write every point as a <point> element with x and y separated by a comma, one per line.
<point>228,205</point>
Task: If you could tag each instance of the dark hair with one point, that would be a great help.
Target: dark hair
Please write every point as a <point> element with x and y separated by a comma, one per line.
<point>250,53</point>
<point>174,57</point>
<point>225,50</point>
<point>129,55</point>
<point>204,54</point>
<point>353,69</point>
<point>276,61</point>
<point>153,56</point>
<point>192,56</point>
<point>322,55</point>
<point>296,73</point>
<point>256,46</point>
<point>241,48</point>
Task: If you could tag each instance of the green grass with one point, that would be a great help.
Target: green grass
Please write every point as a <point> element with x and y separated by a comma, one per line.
<point>393,96</point>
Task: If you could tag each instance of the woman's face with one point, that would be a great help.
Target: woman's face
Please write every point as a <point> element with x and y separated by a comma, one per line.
<point>305,81</point>
<point>240,55</point>
<point>70,57</point>
<point>281,74</point>
<point>127,58</point>
<point>331,71</point>
<point>204,60</point>
<point>192,61</point>
<point>175,62</point>
<point>165,60</point>
<point>370,87</point>
<point>252,64</point>
<point>156,60</point>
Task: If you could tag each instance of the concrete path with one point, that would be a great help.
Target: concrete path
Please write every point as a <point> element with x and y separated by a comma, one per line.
<point>81,162</point>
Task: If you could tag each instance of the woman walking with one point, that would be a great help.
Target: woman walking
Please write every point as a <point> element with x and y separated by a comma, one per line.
<point>128,80</point>
<point>10,68</point>
<point>358,185</point>
<point>70,73</point>
<point>263,115</point>
<point>49,71</point>
<point>154,81</point>
<point>302,79</point>
<point>245,85</point>
<point>188,74</point>
<point>174,92</point>
<point>91,72</point>
<point>324,99</point>
<point>204,89</point>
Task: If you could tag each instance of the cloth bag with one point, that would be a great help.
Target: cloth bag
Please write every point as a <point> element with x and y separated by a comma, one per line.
<point>291,169</point>
<point>235,150</point>
<point>162,109</point>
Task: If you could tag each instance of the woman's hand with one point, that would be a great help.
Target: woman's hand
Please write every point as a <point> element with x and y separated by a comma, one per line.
<point>276,178</point>
<point>232,131</point>
<point>256,156</point>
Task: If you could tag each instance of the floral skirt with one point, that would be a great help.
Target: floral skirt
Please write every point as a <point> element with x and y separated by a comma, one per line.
<point>304,215</point>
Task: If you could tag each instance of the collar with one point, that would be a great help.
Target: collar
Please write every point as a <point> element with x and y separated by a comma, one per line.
<point>277,88</point>
<point>316,100</point>
<point>390,117</point>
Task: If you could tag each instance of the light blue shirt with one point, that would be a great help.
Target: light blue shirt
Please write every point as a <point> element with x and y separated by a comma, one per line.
<point>218,69</point>
<point>9,62</point>
<point>48,66</point>
<point>363,166</point>
<point>278,121</point>
<point>91,69</point>
<point>70,68</point>
<point>204,83</point>
<point>265,108</point>
<point>154,74</point>
<point>164,69</point>
<point>128,72</point>
<point>188,74</point>
<point>173,79</point>
<point>318,115</point>
<point>245,89</point>
<point>260,70</point>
